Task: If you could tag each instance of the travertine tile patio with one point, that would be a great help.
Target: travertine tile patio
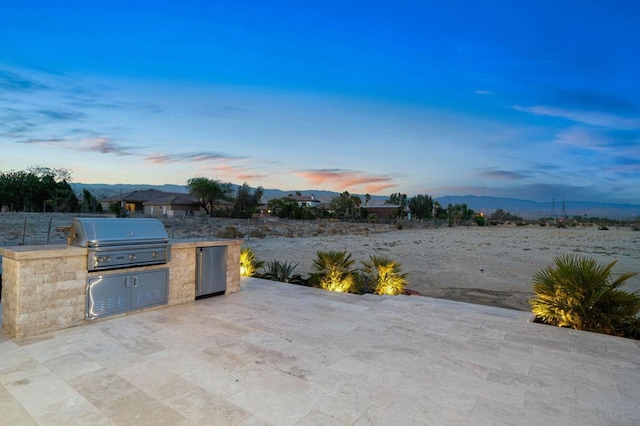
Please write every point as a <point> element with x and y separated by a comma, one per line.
<point>281,354</point>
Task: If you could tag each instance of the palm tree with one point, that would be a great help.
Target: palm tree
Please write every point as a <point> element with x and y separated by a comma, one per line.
<point>386,275</point>
<point>248,262</point>
<point>579,293</point>
<point>333,271</point>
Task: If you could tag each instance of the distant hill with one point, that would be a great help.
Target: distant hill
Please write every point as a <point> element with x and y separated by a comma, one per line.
<point>534,209</point>
<point>105,190</point>
<point>485,204</point>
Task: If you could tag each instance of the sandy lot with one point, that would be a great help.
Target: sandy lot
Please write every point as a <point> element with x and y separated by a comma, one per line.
<point>486,265</point>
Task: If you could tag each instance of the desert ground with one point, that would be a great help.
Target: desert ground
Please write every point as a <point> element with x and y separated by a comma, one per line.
<point>486,265</point>
<point>491,265</point>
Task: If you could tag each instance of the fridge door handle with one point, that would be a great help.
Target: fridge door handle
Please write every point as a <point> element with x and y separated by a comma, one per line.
<point>199,277</point>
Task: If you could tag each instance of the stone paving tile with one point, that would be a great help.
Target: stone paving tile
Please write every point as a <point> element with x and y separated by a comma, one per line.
<point>12,412</point>
<point>278,354</point>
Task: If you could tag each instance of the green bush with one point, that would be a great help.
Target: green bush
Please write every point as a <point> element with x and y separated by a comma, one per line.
<point>334,272</point>
<point>248,262</point>
<point>384,275</point>
<point>230,232</point>
<point>579,293</point>
<point>281,271</point>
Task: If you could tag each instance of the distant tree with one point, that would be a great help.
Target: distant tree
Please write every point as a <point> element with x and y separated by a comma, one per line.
<point>38,189</point>
<point>438,211</point>
<point>459,212</point>
<point>343,205</point>
<point>356,203</point>
<point>367,198</point>
<point>421,206</point>
<point>401,201</point>
<point>90,203</point>
<point>246,203</point>
<point>286,207</point>
<point>209,192</point>
<point>501,216</point>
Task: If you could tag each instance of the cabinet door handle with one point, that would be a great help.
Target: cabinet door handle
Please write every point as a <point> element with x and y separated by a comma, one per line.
<point>126,283</point>
<point>135,281</point>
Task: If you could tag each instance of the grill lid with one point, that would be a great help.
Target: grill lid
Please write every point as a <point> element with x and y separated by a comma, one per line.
<point>101,232</point>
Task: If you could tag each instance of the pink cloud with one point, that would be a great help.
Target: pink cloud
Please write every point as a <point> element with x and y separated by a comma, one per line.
<point>347,180</point>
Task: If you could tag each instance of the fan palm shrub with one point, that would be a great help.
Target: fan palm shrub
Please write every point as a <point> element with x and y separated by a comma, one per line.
<point>578,292</point>
<point>384,275</point>
<point>333,271</point>
<point>248,262</point>
<point>281,271</point>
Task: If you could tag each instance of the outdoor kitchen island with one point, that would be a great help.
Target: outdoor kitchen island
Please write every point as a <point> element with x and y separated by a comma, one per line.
<point>44,288</point>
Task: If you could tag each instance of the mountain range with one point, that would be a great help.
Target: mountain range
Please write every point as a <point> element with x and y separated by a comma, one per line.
<point>484,204</point>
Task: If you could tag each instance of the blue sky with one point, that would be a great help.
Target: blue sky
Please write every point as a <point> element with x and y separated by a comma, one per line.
<point>525,99</point>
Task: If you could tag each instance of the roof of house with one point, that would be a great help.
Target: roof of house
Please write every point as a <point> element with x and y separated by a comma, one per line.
<point>174,199</point>
<point>138,196</point>
<point>304,198</point>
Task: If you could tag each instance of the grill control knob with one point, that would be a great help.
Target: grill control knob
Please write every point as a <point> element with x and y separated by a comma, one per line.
<point>132,257</point>
<point>154,255</point>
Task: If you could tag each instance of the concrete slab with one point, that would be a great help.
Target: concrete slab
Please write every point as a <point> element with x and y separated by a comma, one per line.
<point>280,354</point>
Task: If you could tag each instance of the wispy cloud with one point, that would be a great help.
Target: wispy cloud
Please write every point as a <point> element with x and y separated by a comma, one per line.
<point>594,118</point>
<point>102,145</point>
<point>597,139</point>
<point>238,173</point>
<point>190,157</point>
<point>341,180</point>
<point>13,82</point>
<point>503,175</point>
<point>61,115</point>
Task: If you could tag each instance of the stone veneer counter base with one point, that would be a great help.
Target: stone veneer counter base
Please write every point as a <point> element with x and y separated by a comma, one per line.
<point>44,286</point>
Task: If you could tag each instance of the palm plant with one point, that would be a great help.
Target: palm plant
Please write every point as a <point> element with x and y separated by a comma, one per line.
<point>579,293</point>
<point>385,275</point>
<point>281,271</point>
<point>248,262</point>
<point>333,271</point>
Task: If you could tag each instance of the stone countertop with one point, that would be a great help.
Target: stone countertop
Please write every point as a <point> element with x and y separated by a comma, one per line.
<point>64,250</point>
<point>203,242</point>
<point>41,251</point>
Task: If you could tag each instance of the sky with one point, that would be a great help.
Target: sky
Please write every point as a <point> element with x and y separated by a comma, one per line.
<point>535,100</point>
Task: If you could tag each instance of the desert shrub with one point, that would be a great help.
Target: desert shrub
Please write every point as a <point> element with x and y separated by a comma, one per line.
<point>579,293</point>
<point>230,232</point>
<point>248,262</point>
<point>334,272</point>
<point>281,271</point>
<point>254,233</point>
<point>384,276</point>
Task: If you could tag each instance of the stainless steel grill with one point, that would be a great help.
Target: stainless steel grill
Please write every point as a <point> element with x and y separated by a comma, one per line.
<point>120,243</point>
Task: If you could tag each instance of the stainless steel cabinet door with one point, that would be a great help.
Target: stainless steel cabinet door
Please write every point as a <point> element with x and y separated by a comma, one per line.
<point>211,270</point>
<point>108,295</point>
<point>149,288</point>
<point>116,293</point>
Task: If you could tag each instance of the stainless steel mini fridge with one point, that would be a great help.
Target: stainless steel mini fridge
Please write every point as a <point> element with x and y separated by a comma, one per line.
<point>211,271</point>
